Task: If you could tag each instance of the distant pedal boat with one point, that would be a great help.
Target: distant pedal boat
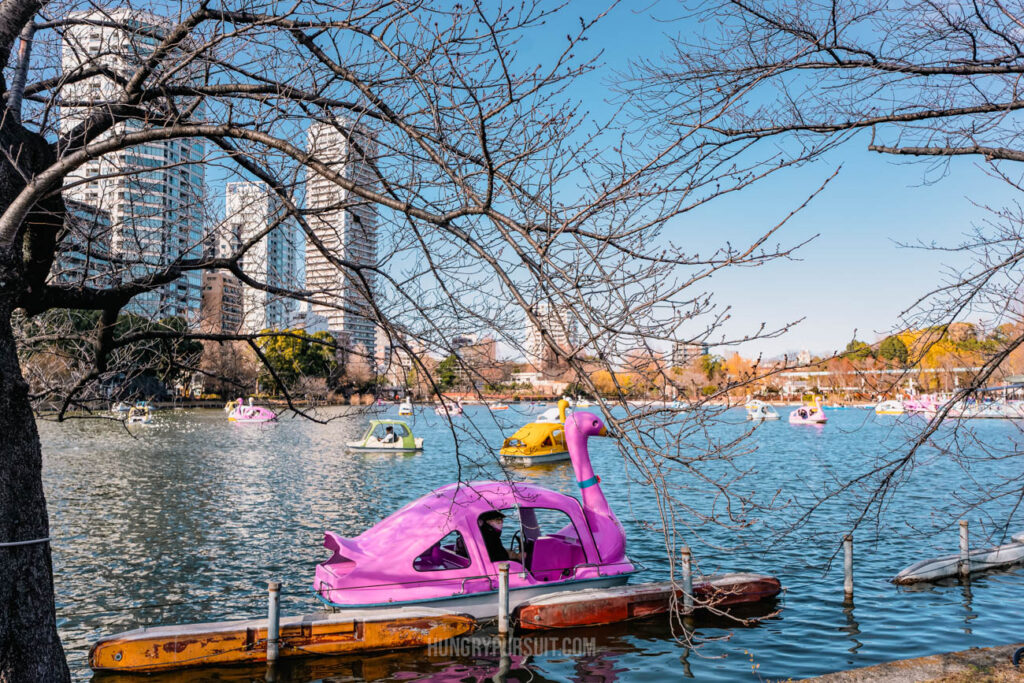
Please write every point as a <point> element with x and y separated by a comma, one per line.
<point>373,440</point>
<point>761,411</point>
<point>250,413</point>
<point>540,441</point>
<point>808,415</point>
<point>890,408</point>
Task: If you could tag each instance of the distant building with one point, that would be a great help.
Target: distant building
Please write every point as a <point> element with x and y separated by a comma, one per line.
<point>152,192</point>
<point>221,311</point>
<point>803,357</point>
<point>346,226</point>
<point>477,359</point>
<point>303,318</point>
<point>559,326</point>
<point>252,211</point>
<point>84,251</point>
<point>685,354</point>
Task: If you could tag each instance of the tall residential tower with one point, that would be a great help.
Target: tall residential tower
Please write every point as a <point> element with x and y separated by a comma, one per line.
<point>255,214</point>
<point>153,192</point>
<point>347,228</point>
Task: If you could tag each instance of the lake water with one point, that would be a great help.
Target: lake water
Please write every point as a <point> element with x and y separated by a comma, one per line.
<point>187,520</point>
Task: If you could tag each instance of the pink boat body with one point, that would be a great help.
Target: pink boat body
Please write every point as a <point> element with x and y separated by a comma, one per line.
<point>806,415</point>
<point>251,413</point>
<point>402,559</point>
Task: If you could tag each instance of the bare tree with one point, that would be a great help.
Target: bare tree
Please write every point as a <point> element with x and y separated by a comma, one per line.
<point>777,84</point>
<point>476,184</point>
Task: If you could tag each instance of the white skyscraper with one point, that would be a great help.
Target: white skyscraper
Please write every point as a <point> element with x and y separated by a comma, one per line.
<point>561,328</point>
<point>252,211</point>
<point>347,227</point>
<point>152,192</point>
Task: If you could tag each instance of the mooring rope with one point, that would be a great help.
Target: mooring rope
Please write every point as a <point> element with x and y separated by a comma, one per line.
<point>33,541</point>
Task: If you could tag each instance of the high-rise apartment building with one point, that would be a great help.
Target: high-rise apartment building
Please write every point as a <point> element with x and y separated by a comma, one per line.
<point>255,214</point>
<point>561,328</point>
<point>83,257</point>
<point>152,192</point>
<point>346,225</point>
<point>221,303</point>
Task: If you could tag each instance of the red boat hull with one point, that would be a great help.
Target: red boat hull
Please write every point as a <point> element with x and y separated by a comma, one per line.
<point>612,605</point>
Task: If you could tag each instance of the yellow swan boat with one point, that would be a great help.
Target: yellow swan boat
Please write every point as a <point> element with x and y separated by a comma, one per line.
<point>540,441</point>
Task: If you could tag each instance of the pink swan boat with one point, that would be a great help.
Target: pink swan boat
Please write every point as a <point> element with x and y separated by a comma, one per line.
<point>251,413</point>
<point>807,415</point>
<point>433,549</point>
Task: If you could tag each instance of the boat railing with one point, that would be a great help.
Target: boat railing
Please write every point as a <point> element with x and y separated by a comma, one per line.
<point>325,589</point>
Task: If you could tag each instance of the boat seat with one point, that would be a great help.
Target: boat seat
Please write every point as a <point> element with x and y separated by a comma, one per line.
<point>552,555</point>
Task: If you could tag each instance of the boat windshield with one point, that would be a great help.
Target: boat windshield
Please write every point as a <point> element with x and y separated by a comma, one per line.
<point>380,430</point>
<point>545,540</point>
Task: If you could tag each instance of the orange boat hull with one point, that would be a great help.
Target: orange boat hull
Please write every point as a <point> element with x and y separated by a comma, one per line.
<point>174,647</point>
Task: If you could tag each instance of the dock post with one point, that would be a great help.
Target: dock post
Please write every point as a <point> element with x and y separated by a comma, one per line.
<point>503,599</point>
<point>965,554</point>
<point>273,619</point>
<point>848,566</point>
<point>687,580</point>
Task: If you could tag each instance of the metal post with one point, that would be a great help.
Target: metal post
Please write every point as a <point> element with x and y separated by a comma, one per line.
<point>273,619</point>
<point>687,580</point>
<point>848,565</point>
<point>965,559</point>
<point>503,599</point>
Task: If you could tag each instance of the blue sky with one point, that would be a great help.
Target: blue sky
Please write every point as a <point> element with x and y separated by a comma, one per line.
<point>853,276</point>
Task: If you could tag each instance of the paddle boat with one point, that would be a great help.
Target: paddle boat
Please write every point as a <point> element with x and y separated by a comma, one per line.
<point>972,409</point>
<point>140,413</point>
<point>449,409</point>
<point>377,438</point>
<point>433,550</point>
<point>120,408</point>
<point>405,407</point>
<point>540,441</point>
<point>250,413</point>
<point>808,415</point>
<point>759,410</point>
<point>499,406</point>
<point>891,407</point>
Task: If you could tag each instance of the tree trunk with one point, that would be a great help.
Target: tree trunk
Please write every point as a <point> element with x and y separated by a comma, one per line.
<point>30,649</point>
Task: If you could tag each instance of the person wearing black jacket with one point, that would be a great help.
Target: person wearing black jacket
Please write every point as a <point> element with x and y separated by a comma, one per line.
<point>490,528</point>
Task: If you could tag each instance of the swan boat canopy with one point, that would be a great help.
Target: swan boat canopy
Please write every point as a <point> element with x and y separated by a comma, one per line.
<point>433,550</point>
<point>374,439</point>
<point>539,441</point>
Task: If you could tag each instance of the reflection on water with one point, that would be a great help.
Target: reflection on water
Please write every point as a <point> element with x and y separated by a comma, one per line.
<point>188,519</point>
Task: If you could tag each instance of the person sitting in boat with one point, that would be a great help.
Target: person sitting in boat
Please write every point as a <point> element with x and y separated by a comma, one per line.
<point>490,528</point>
<point>389,435</point>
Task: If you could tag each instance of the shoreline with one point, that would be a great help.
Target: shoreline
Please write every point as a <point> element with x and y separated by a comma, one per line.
<point>977,663</point>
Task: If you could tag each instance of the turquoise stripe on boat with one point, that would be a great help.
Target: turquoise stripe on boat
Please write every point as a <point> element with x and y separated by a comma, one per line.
<point>589,482</point>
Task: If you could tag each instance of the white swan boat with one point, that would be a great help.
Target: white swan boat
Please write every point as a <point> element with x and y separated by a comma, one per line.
<point>759,410</point>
